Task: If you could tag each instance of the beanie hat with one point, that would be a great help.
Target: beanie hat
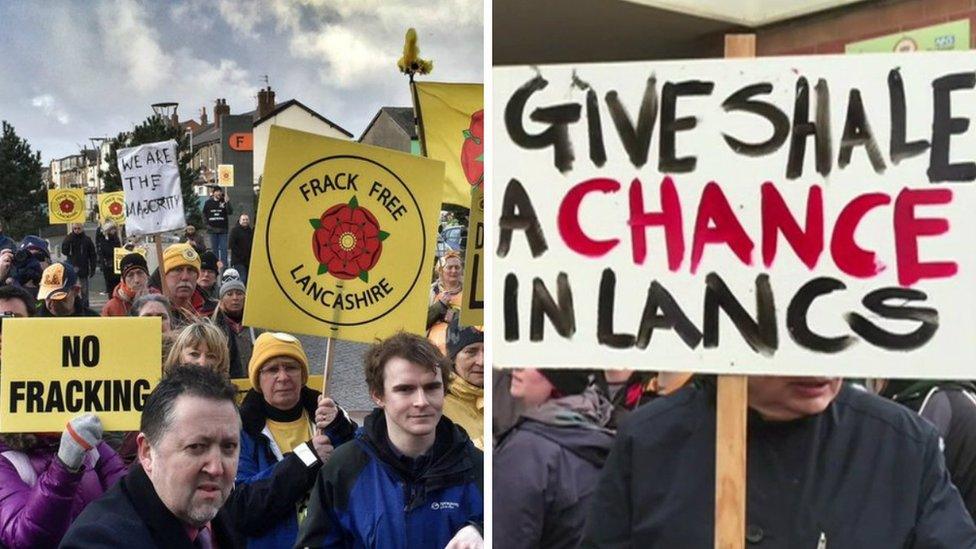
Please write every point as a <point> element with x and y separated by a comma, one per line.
<point>568,382</point>
<point>271,344</point>
<point>133,261</point>
<point>178,255</point>
<point>35,243</point>
<point>208,261</point>
<point>108,226</point>
<point>229,274</point>
<point>458,338</point>
<point>232,284</point>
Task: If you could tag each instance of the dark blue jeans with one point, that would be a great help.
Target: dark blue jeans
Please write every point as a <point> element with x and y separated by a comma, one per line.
<point>218,244</point>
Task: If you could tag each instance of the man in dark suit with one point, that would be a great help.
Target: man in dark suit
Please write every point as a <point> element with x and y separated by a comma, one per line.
<point>187,460</point>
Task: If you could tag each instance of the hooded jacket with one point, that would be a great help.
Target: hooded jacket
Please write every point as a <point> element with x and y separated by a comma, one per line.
<point>39,514</point>
<point>367,496</point>
<point>270,485</point>
<point>464,404</point>
<point>545,470</point>
<point>863,473</point>
<point>131,515</point>
<point>951,407</point>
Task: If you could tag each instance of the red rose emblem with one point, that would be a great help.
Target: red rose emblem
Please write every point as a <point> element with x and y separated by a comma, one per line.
<point>347,241</point>
<point>66,206</point>
<point>472,150</point>
<point>115,208</point>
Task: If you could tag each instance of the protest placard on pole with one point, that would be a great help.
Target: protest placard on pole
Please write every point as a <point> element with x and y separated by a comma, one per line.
<point>151,182</point>
<point>473,305</point>
<point>225,175</point>
<point>801,215</point>
<point>344,239</point>
<point>451,126</point>
<point>57,368</point>
<point>111,207</point>
<point>65,206</point>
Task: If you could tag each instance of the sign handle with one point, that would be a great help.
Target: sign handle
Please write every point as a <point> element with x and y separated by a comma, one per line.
<point>159,261</point>
<point>329,355</point>
<point>731,406</point>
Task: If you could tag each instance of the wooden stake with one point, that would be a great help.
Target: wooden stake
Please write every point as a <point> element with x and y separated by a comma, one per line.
<point>329,353</point>
<point>159,261</point>
<point>731,406</point>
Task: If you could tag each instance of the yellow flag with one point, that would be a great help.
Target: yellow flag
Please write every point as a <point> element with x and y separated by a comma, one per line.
<point>344,239</point>
<point>452,129</point>
<point>65,206</point>
<point>111,207</point>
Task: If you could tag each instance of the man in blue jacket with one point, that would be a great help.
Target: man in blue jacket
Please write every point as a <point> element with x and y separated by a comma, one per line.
<point>411,478</point>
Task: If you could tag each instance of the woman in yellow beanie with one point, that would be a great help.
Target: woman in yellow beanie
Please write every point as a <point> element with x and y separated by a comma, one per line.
<point>288,431</point>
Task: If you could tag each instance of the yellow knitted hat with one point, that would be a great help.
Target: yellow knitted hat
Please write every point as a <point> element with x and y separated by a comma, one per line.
<point>178,255</point>
<point>271,344</point>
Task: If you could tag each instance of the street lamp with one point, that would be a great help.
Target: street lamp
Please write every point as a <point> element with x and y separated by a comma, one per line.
<point>166,110</point>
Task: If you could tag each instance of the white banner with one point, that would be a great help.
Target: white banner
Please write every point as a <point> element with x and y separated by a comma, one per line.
<point>795,215</point>
<point>151,182</point>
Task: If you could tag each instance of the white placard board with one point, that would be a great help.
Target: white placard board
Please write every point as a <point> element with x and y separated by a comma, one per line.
<point>151,182</point>
<point>826,203</point>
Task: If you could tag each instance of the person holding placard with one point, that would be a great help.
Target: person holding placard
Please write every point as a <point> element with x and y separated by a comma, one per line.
<point>546,467</point>
<point>216,210</point>
<point>80,251</point>
<point>411,477</point>
<point>180,272</point>
<point>464,402</point>
<point>134,284</point>
<point>289,431</point>
<point>47,480</point>
<point>827,463</point>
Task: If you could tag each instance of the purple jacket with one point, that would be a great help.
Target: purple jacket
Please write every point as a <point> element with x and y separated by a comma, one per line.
<point>39,515</point>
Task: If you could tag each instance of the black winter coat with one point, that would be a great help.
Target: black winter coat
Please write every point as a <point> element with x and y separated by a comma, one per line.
<point>131,515</point>
<point>80,251</point>
<point>863,474</point>
<point>239,244</point>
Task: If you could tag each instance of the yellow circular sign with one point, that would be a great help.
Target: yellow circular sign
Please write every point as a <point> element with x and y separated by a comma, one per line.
<point>345,240</point>
<point>64,205</point>
<point>113,208</point>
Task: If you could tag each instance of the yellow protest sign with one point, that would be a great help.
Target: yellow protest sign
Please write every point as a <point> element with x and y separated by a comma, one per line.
<point>111,207</point>
<point>119,253</point>
<point>473,306</point>
<point>452,129</point>
<point>225,175</point>
<point>344,239</point>
<point>65,206</point>
<point>57,368</point>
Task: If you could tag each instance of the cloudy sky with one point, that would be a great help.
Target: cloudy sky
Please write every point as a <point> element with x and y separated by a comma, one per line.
<point>77,69</point>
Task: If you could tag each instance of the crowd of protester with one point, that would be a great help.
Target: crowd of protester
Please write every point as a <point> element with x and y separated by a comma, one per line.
<point>281,466</point>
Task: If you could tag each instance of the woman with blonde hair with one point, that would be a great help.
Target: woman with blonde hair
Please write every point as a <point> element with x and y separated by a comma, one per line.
<point>445,298</point>
<point>201,343</point>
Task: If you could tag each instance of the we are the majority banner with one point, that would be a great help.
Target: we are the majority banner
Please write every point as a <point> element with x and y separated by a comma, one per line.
<point>805,215</point>
<point>151,183</point>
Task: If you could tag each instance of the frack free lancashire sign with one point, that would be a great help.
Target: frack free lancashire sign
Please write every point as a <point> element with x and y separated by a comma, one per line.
<point>344,240</point>
<point>57,368</point>
<point>808,215</point>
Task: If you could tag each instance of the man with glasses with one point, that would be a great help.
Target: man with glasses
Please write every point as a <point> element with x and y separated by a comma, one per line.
<point>288,431</point>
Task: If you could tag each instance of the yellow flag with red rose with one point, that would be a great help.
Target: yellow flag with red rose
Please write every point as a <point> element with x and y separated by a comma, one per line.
<point>452,129</point>
<point>65,206</point>
<point>111,207</point>
<point>344,239</point>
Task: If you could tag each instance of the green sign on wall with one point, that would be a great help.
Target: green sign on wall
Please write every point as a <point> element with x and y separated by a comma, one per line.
<point>943,37</point>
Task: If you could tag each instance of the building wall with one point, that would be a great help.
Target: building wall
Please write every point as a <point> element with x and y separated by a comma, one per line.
<point>295,118</point>
<point>829,32</point>
<point>385,132</point>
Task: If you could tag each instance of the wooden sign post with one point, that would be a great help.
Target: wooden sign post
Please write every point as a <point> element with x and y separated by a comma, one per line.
<point>731,406</point>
